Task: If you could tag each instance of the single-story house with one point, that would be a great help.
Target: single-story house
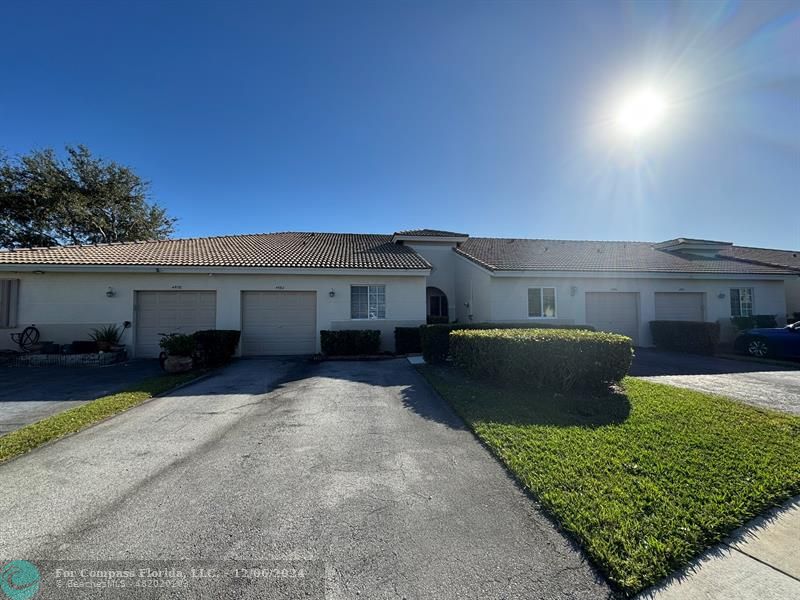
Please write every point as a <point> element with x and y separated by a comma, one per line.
<point>784,259</point>
<point>281,289</point>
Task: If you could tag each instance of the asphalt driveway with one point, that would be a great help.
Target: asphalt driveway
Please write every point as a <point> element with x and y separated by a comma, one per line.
<point>355,472</point>
<point>756,383</point>
<point>28,394</point>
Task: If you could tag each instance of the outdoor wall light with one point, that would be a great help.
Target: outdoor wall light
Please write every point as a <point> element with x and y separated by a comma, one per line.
<point>332,293</point>
<point>110,293</point>
<point>721,295</point>
<point>573,290</point>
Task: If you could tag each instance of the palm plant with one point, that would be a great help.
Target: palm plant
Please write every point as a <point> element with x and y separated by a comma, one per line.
<point>106,336</point>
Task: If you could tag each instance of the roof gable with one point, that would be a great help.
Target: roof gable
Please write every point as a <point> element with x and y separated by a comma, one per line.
<point>429,236</point>
<point>430,233</point>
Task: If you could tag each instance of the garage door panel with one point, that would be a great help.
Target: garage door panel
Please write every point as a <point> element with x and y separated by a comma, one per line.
<point>171,312</point>
<point>279,323</point>
<point>616,312</point>
<point>679,306</point>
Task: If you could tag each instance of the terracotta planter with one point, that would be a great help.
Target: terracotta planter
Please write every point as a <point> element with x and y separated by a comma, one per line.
<point>178,364</point>
<point>103,346</point>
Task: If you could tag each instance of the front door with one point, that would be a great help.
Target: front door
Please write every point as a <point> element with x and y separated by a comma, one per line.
<point>438,310</point>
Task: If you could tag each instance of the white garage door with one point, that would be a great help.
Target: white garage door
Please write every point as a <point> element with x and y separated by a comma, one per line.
<point>679,306</point>
<point>617,312</point>
<point>279,323</point>
<point>171,312</point>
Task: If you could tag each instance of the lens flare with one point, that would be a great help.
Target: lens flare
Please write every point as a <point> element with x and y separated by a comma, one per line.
<point>641,112</point>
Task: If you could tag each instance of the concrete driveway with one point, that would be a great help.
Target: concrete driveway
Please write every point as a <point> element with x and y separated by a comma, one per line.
<point>355,472</point>
<point>758,384</point>
<point>28,394</point>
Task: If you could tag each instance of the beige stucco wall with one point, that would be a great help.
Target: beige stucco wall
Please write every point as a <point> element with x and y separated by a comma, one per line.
<point>65,306</point>
<point>473,286</point>
<point>443,273</point>
<point>509,297</point>
<point>793,295</point>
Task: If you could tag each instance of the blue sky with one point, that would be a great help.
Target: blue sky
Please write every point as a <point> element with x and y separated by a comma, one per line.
<point>494,118</point>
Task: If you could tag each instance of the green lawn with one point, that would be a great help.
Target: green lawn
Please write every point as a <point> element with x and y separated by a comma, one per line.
<point>56,426</point>
<point>644,478</point>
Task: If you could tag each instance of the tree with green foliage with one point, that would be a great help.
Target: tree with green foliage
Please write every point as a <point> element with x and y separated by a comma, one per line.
<point>49,201</point>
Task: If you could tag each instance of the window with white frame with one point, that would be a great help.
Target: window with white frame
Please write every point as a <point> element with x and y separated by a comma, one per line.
<point>367,301</point>
<point>741,302</point>
<point>542,302</point>
<point>9,298</point>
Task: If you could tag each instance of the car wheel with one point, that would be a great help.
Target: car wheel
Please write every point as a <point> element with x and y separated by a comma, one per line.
<point>758,348</point>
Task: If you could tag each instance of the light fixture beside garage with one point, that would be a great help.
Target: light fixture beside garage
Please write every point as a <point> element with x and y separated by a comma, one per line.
<point>332,293</point>
<point>110,293</point>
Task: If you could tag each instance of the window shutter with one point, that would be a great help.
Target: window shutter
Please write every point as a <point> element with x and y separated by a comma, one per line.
<point>13,302</point>
<point>9,293</point>
<point>735,306</point>
<point>4,302</point>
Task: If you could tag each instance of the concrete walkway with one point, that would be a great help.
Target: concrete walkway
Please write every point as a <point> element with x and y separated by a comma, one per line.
<point>758,562</point>
<point>356,473</point>
<point>762,385</point>
<point>28,394</point>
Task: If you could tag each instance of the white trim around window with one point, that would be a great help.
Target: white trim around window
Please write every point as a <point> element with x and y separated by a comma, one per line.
<point>367,302</point>
<point>742,302</point>
<point>9,303</point>
<point>542,303</point>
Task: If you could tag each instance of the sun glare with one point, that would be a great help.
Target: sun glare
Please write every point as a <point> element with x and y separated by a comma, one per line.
<point>641,112</point>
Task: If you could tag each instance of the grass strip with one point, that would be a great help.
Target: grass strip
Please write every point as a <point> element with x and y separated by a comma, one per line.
<point>75,419</point>
<point>645,478</point>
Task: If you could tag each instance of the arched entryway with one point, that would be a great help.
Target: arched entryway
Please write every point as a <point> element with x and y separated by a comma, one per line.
<point>438,309</point>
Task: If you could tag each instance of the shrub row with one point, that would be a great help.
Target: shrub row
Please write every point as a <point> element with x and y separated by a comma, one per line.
<point>556,359</point>
<point>211,347</point>
<point>350,342</point>
<point>695,337</point>
<point>178,344</point>
<point>436,340</point>
<point>742,323</point>
<point>216,347</point>
<point>407,340</point>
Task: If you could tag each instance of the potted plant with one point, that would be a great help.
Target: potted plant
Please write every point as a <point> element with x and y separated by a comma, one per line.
<point>179,349</point>
<point>105,337</point>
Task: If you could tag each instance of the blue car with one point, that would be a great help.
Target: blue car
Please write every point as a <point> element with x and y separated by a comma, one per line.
<point>780,342</point>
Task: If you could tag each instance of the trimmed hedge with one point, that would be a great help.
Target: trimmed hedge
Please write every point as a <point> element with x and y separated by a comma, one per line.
<point>766,321</point>
<point>350,342</point>
<point>694,337</point>
<point>216,347</point>
<point>178,344</point>
<point>554,359</point>
<point>436,341</point>
<point>407,340</point>
<point>437,320</point>
<point>754,321</point>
